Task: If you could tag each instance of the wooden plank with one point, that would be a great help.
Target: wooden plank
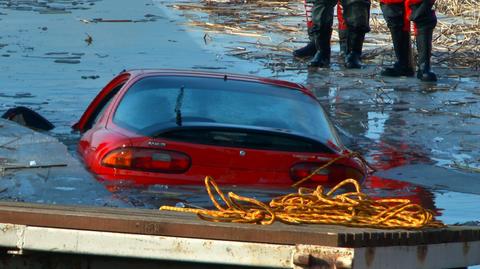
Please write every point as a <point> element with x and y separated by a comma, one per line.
<point>153,222</point>
<point>450,255</point>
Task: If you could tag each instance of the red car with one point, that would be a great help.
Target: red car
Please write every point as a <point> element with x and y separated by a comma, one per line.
<point>176,127</point>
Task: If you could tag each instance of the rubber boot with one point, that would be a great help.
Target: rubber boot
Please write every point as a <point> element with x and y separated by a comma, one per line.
<point>354,47</point>
<point>322,43</point>
<point>342,39</point>
<point>308,51</point>
<point>401,47</point>
<point>424,49</point>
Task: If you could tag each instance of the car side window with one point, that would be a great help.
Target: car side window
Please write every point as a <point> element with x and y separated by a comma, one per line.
<point>98,113</point>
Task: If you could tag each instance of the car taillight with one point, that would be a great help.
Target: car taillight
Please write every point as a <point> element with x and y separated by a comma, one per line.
<point>149,160</point>
<point>302,170</point>
<point>332,174</point>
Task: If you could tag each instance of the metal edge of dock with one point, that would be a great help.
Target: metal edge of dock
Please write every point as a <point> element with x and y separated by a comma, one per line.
<point>57,229</point>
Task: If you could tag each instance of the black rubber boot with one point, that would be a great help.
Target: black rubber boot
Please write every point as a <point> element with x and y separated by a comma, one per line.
<point>354,47</point>
<point>424,49</point>
<point>342,39</point>
<point>322,43</point>
<point>308,51</point>
<point>401,46</point>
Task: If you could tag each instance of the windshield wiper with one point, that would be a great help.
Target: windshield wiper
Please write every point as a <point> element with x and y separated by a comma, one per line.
<point>178,106</point>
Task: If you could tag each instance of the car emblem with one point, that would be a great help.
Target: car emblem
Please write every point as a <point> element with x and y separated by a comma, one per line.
<point>242,153</point>
<point>155,143</point>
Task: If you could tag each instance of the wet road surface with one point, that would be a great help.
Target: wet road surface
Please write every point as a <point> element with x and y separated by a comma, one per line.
<point>56,55</point>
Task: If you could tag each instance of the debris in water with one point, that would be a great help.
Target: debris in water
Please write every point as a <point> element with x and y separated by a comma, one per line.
<point>208,67</point>
<point>101,55</point>
<point>29,118</point>
<point>206,38</point>
<point>107,20</point>
<point>91,77</point>
<point>466,167</point>
<point>89,39</point>
<point>67,61</point>
<point>101,20</point>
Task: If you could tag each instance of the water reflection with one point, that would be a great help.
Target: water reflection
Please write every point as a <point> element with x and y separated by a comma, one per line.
<point>379,120</point>
<point>387,130</point>
<point>154,196</point>
<point>378,187</point>
<point>376,124</point>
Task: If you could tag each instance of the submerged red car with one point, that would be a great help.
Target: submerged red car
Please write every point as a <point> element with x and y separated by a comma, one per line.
<point>176,127</point>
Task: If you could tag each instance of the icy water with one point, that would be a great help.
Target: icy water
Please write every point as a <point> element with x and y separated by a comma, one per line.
<point>56,55</point>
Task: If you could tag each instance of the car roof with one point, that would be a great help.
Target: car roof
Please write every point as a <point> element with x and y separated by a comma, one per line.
<point>138,73</point>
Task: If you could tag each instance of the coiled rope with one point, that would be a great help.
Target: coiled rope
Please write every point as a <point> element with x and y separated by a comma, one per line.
<point>314,206</point>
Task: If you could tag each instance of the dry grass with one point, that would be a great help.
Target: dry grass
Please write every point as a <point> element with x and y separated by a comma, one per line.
<point>463,8</point>
<point>458,33</point>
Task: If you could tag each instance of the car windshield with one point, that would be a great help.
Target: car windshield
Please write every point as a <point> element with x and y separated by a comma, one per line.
<point>177,100</point>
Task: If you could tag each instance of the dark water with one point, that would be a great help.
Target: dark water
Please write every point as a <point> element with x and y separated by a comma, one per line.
<point>56,56</point>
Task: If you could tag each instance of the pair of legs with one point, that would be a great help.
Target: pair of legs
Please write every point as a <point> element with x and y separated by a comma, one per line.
<point>356,14</point>
<point>398,14</point>
<point>309,50</point>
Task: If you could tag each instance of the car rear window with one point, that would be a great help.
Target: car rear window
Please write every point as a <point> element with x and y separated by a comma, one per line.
<point>153,101</point>
<point>245,139</point>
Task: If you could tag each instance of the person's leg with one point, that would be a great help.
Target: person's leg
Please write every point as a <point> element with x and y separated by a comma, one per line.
<point>425,21</point>
<point>322,16</point>
<point>357,16</point>
<point>342,30</point>
<point>309,50</point>
<point>394,14</point>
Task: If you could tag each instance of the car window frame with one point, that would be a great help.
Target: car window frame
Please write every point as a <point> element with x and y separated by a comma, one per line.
<point>99,104</point>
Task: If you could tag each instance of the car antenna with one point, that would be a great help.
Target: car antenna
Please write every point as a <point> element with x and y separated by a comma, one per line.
<point>178,106</point>
<point>225,77</point>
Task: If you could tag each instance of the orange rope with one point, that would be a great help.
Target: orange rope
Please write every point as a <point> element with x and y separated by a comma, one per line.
<point>313,206</point>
